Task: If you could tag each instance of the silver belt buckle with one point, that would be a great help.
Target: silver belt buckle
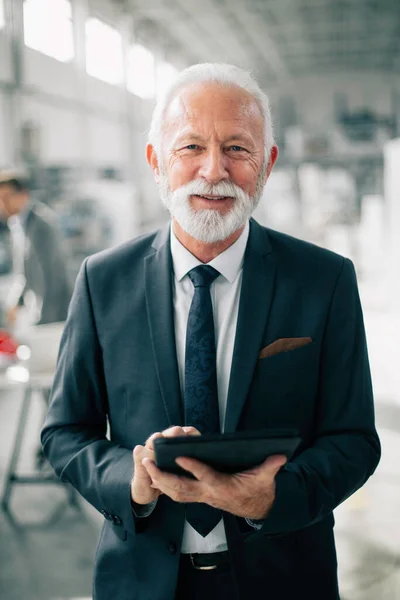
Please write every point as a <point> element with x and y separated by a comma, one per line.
<point>203,568</point>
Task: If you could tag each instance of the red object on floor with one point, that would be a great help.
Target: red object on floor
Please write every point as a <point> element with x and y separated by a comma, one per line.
<point>8,346</point>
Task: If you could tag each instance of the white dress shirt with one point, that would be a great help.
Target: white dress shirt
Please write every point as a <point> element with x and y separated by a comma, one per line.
<point>20,248</point>
<point>225,295</point>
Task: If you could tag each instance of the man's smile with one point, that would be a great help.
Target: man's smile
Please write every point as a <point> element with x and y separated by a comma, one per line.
<point>209,201</point>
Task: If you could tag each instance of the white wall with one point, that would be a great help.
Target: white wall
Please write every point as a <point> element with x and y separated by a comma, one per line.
<point>5,59</point>
<point>5,77</point>
<point>81,121</point>
<point>81,118</point>
<point>3,145</point>
<point>392,206</point>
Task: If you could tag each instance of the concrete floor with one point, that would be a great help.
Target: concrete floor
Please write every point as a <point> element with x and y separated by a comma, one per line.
<point>47,545</point>
<point>368,524</point>
<point>46,558</point>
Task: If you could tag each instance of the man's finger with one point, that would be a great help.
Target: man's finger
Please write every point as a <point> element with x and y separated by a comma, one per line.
<point>173,431</point>
<point>200,470</point>
<point>139,452</point>
<point>139,470</point>
<point>150,441</point>
<point>271,465</point>
<point>181,489</point>
<point>189,430</point>
<point>156,474</point>
<point>276,461</point>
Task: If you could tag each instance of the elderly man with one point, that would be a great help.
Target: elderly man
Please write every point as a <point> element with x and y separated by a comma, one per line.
<point>214,323</point>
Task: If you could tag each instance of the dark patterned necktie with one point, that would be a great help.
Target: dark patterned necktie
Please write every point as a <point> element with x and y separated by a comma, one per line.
<point>201,393</point>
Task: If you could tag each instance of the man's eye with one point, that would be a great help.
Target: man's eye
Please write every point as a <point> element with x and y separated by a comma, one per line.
<point>236,148</point>
<point>192,147</point>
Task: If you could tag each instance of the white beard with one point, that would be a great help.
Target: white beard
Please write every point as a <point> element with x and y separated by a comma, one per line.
<point>208,225</point>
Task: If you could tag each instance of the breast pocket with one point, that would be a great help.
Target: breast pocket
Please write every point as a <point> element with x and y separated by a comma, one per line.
<point>284,388</point>
<point>291,361</point>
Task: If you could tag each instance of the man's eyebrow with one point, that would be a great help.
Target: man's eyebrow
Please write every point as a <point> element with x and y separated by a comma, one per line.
<point>240,137</point>
<point>188,135</point>
<point>195,136</point>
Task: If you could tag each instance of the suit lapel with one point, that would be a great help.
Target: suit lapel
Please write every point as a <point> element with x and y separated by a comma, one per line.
<point>255,302</point>
<point>160,311</point>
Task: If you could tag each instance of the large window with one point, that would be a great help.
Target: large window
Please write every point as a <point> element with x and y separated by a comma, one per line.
<point>140,72</point>
<point>104,56</point>
<point>48,28</point>
<point>2,19</point>
<point>166,75</point>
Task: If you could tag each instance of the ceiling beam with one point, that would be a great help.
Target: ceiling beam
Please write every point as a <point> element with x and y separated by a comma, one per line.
<point>257,38</point>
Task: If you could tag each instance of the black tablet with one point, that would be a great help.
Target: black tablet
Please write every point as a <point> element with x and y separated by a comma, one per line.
<point>226,452</point>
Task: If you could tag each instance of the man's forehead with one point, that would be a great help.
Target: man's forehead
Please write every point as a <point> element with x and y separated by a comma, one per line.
<point>212,100</point>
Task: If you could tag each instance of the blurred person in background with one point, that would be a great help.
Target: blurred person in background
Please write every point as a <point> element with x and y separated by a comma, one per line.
<point>39,265</point>
<point>213,324</point>
<point>38,290</point>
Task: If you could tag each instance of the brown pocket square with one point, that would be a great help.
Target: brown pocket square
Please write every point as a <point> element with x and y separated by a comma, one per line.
<point>284,345</point>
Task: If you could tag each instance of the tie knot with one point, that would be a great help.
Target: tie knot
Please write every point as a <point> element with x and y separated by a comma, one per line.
<point>203,275</point>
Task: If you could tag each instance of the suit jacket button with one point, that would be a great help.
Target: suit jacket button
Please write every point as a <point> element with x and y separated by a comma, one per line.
<point>105,514</point>
<point>116,520</point>
<point>172,547</point>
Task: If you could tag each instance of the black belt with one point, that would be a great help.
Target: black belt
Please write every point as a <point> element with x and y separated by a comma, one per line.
<point>207,562</point>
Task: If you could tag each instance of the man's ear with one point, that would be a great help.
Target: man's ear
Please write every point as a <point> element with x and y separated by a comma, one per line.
<point>152,159</point>
<point>273,155</point>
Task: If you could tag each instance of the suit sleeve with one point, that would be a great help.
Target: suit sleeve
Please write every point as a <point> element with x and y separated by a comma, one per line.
<point>346,448</point>
<point>74,434</point>
<point>58,287</point>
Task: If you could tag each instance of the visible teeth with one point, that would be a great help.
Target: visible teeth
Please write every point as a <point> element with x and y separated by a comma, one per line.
<point>212,197</point>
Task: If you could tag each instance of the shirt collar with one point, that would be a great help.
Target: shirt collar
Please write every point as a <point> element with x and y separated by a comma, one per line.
<point>228,263</point>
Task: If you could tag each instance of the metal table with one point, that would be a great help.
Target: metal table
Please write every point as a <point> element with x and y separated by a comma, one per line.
<point>32,374</point>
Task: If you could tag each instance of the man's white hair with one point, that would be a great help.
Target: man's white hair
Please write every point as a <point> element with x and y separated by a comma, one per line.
<point>223,74</point>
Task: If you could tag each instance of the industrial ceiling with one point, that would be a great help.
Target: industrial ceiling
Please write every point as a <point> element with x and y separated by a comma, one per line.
<point>275,38</point>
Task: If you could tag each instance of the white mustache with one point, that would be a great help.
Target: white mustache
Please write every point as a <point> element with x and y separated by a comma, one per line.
<point>207,225</point>
<point>200,187</point>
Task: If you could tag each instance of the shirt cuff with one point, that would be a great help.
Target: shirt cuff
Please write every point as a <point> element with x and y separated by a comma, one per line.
<point>141,511</point>
<point>255,523</point>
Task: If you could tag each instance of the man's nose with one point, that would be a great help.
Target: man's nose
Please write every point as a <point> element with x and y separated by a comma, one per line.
<point>214,166</point>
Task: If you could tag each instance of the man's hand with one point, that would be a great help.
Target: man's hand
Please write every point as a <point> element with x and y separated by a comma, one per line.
<point>248,494</point>
<point>141,490</point>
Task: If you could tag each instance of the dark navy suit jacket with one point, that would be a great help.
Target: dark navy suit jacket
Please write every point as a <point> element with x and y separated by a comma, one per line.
<point>118,365</point>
